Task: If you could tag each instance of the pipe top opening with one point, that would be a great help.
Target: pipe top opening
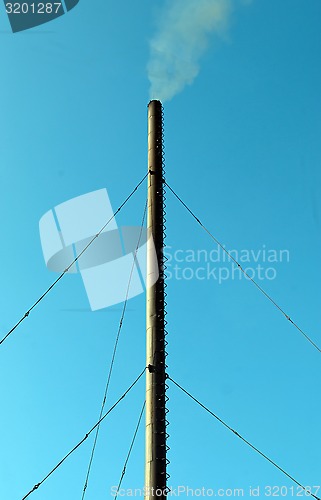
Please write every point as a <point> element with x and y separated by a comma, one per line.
<point>155,102</point>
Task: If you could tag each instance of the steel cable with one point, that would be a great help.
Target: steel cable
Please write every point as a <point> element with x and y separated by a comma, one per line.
<point>86,436</point>
<point>243,271</point>
<point>114,354</point>
<point>307,492</point>
<point>130,449</point>
<point>71,264</point>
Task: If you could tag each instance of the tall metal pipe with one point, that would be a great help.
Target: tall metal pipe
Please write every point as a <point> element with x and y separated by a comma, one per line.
<point>155,464</point>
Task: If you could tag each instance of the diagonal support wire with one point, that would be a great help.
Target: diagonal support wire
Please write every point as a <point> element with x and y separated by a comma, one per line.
<point>114,354</point>
<point>243,271</point>
<point>306,490</point>
<point>130,450</point>
<point>71,264</point>
<point>36,487</point>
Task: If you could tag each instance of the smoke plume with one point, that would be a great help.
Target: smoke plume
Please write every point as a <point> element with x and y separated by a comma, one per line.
<point>181,40</point>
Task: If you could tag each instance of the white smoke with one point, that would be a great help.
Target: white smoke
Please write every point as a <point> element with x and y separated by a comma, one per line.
<point>182,38</point>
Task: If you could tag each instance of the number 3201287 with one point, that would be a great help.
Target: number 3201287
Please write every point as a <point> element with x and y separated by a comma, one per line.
<point>33,8</point>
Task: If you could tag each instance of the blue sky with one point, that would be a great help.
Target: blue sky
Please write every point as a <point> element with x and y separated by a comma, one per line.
<point>243,150</point>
